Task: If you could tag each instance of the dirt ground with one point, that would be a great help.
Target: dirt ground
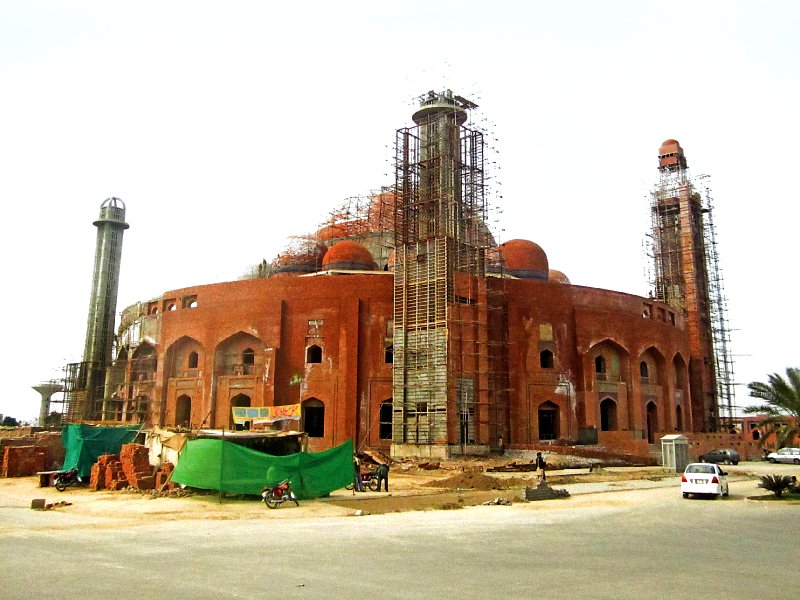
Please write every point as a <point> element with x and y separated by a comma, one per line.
<point>453,485</point>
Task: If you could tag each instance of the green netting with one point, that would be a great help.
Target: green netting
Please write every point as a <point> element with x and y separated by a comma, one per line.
<point>83,444</point>
<point>225,466</point>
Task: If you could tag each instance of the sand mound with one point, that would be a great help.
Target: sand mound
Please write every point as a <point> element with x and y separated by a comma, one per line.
<point>473,481</point>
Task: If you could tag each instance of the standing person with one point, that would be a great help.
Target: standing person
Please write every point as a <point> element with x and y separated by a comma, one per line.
<point>541,465</point>
<point>358,482</point>
<point>501,446</point>
<point>383,475</point>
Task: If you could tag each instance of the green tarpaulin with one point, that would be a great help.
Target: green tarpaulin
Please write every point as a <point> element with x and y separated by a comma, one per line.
<point>225,466</point>
<point>83,444</point>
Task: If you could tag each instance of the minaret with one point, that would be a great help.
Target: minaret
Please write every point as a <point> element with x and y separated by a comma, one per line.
<point>681,274</point>
<point>103,301</point>
<point>440,241</point>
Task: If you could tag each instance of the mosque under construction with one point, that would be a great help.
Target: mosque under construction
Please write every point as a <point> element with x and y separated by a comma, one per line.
<point>401,323</point>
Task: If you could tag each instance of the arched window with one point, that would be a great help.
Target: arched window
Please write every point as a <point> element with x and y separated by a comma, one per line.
<point>548,421</point>
<point>643,370</point>
<point>385,420</point>
<point>546,359</point>
<point>599,364</point>
<point>248,357</point>
<point>608,415</point>
<point>313,414</point>
<point>388,355</point>
<point>193,360</point>
<point>183,411</point>
<point>313,354</point>
<point>238,401</point>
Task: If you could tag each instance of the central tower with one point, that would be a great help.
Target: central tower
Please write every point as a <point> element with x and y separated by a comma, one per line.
<point>440,374</point>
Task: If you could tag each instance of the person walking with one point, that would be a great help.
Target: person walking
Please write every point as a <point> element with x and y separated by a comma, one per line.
<point>383,476</point>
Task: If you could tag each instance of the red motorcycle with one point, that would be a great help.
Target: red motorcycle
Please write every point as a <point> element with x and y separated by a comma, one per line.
<point>278,494</point>
<point>66,478</point>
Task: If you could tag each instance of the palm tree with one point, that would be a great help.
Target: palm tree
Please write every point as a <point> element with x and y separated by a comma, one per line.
<point>781,406</point>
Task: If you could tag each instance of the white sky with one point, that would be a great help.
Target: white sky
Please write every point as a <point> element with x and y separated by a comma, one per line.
<point>227,126</point>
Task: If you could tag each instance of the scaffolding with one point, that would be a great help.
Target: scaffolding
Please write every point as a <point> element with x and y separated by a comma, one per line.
<point>718,304</point>
<point>688,278</point>
<point>445,389</point>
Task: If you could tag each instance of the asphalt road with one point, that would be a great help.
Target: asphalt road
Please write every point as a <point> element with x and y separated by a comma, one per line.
<point>632,544</point>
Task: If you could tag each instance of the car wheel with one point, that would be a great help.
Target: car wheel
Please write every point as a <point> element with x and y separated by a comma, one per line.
<point>796,461</point>
<point>772,460</point>
<point>685,494</point>
<point>736,462</point>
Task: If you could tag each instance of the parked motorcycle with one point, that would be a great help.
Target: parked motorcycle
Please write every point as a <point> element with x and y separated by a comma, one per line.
<point>369,479</point>
<point>66,478</point>
<point>278,494</point>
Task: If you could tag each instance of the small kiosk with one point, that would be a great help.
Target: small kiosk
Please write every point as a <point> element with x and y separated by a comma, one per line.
<point>675,452</point>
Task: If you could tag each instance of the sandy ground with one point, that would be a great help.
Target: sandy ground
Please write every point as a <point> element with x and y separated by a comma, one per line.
<point>452,486</point>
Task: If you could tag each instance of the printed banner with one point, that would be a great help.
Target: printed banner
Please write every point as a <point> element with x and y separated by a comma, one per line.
<point>265,414</point>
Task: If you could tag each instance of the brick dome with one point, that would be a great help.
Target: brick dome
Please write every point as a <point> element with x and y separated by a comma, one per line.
<point>331,232</point>
<point>670,147</point>
<point>524,259</point>
<point>348,255</point>
<point>306,258</point>
<point>558,277</point>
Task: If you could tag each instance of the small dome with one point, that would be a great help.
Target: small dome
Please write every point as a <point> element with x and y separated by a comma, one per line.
<point>558,277</point>
<point>331,232</point>
<point>347,255</point>
<point>306,258</point>
<point>524,259</point>
<point>670,147</point>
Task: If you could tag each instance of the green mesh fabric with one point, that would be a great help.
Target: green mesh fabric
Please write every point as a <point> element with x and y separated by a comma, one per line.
<point>83,444</point>
<point>220,465</point>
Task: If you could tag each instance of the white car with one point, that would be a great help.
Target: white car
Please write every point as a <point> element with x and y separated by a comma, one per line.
<point>704,479</point>
<point>785,455</point>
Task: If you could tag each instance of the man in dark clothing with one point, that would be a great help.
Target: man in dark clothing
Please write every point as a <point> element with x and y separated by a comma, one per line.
<point>383,475</point>
<point>358,483</point>
<point>541,465</point>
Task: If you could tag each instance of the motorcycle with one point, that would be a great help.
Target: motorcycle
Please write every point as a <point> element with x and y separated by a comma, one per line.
<point>66,478</point>
<point>369,480</point>
<point>278,494</point>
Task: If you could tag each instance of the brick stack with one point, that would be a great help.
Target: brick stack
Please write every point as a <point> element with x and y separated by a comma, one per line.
<point>115,477</point>
<point>97,478</point>
<point>163,475</point>
<point>135,460</point>
<point>21,461</point>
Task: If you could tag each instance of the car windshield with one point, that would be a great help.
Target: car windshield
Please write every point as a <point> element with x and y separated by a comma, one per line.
<point>709,469</point>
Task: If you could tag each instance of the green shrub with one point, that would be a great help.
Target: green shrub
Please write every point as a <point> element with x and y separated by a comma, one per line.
<point>776,484</point>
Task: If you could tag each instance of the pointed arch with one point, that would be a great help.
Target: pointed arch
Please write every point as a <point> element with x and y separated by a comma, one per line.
<point>181,355</point>
<point>549,420</point>
<point>239,354</point>
<point>608,415</point>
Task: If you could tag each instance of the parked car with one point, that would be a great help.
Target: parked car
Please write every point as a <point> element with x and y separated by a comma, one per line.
<point>785,455</point>
<point>704,479</point>
<point>729,456</point>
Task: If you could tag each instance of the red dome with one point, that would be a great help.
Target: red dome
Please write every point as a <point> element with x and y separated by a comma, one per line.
<point>347,255</point>
<point>670,147</point>
<point>331,232</point>
<point>558,277</point>
<point>524,259</point>
<point>300,257</point>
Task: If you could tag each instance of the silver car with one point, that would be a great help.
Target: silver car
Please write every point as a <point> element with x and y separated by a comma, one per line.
<point>785,455</point>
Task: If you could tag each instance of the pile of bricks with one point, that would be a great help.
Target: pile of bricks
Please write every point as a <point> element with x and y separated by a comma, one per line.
<point>22,461</point>
<point>107,474</point>
<point>163,477</point>
<point>136,465</point>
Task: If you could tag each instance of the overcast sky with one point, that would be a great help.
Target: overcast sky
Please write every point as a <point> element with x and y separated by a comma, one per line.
<point>227,126</point>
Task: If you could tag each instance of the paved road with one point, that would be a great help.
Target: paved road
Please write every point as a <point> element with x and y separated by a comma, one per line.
<point>633,544</point>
